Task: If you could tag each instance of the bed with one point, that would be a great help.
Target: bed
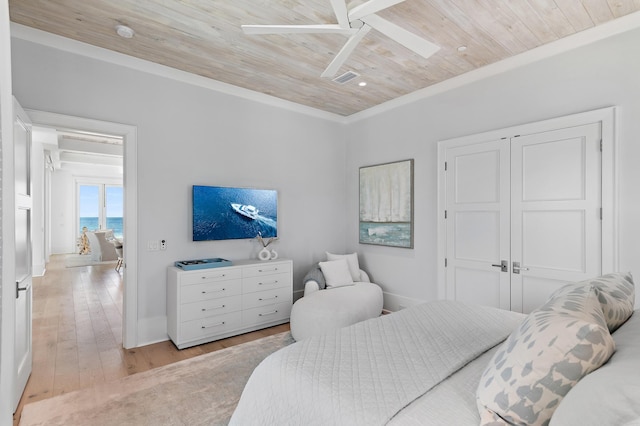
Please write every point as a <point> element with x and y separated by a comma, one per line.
<point>446,362</point>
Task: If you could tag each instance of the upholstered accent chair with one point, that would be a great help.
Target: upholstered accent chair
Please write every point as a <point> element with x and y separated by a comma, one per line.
<point>337,294</point>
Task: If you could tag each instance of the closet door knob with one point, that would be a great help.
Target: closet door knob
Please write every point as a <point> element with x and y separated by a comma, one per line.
<point>504,266</point>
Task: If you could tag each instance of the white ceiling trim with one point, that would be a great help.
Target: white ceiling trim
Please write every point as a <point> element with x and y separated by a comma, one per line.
<point>592,35</point>
<point>609,29</point>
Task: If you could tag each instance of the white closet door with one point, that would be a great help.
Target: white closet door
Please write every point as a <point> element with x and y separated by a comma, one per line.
<point>555,212</point>
<point>477,207</point>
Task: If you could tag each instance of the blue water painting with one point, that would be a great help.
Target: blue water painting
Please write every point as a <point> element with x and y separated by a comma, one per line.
<point>222,213</point>
<point>395,234</point>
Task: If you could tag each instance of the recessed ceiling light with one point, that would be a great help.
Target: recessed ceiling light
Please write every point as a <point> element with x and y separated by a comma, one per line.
<point>462,48</point>
<point>362,83</point>
<point>124,31</point>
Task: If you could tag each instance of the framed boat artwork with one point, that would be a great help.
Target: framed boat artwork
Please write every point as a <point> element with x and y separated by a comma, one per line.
<point>386,204</point>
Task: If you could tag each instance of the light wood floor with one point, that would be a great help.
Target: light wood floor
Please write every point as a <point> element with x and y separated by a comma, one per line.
<point>77,333</point>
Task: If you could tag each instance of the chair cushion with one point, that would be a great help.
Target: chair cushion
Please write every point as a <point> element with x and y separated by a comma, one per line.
<point>333,308</point>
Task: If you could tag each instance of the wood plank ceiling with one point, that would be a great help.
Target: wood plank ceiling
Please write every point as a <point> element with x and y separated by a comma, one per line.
<point>204,37</point>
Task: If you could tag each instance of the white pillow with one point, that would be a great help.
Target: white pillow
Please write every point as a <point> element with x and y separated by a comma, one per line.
<point>336,273</point>
<point>352,261</point>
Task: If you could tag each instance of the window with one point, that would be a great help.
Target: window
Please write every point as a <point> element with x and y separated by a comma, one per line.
<point>100,206</point>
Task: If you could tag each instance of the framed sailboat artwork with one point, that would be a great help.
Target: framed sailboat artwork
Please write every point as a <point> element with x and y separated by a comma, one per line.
<point>386,204</point>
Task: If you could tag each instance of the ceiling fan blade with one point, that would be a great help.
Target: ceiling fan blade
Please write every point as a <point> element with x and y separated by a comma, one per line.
<point>291,29</point>
<point>340,9</point>
<point>344,53</point>
<point>372,6</point>
<point>408,39</point>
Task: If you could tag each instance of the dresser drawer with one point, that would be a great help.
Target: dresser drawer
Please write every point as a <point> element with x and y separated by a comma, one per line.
<point>268,297</point>
<point>267,282</point>
<point>266,314</point>
<point>211,290</point>
<point>209,275</point>
<point>208,308</point>
<point>211,326</point>
<point>266,268</point>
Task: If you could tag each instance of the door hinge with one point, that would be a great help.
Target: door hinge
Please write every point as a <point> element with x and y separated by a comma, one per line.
<point>445,214</point>
<point>600,145</point>
<point>600,213</point>
<point>445,166</point>
<point>445,262</point>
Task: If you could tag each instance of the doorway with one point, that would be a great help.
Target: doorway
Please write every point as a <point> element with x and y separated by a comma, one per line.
<point>129,136</point>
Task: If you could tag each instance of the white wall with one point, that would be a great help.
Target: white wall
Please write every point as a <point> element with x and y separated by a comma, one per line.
<point>603,74</point>
<point>190,135</point>
<point>37,211</point>
<point>62,218</point>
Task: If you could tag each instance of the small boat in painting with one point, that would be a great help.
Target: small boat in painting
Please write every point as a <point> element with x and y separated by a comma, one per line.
<point>245,210</point>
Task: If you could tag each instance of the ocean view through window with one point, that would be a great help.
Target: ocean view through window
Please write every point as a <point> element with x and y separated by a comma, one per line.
<point>101,207</point>
<point>114,223</point>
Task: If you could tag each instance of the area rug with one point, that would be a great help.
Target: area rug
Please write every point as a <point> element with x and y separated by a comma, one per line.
<point>203,390</point>
<point>74,260</point>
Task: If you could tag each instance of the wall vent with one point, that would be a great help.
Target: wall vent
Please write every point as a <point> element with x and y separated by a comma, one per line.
<point>347,76</point>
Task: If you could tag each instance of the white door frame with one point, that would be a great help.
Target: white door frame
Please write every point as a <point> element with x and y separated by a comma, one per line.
<point>610,233</point>
<point>130,183</point>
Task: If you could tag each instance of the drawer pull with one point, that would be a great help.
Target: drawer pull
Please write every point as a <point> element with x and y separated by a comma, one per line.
<point>267,298</point>
<point>212,309</point>
<point>267,270</point>
<point>268,313</point>
<point>272,282</point>
<point>214,291</point>
<point>213,325</point>
<point>217,276</point>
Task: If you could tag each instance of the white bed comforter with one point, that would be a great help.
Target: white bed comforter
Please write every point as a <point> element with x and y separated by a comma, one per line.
<point>366,373</point>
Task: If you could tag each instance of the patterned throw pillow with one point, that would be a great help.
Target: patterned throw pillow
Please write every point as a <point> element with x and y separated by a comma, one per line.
<point>616,296</point>
<point>553,348</point>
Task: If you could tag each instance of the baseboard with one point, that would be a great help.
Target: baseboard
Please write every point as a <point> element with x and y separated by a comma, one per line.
<point>152,330</point>
<point>39,270</point>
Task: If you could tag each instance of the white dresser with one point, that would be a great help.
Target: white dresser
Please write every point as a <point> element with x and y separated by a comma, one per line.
<point>210,304</point>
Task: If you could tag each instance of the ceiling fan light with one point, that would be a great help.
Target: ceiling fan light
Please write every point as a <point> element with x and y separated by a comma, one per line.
<point>124,31</point>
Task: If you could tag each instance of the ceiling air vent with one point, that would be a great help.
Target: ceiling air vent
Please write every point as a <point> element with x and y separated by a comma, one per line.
<point>347,76</point>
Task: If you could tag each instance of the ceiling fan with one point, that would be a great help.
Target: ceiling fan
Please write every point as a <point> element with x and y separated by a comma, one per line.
<point>355,23</point>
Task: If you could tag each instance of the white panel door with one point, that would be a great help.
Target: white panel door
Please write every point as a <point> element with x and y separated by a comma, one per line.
<point>555,212</point>
<point>477,210</point>
<point>22,167</point>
